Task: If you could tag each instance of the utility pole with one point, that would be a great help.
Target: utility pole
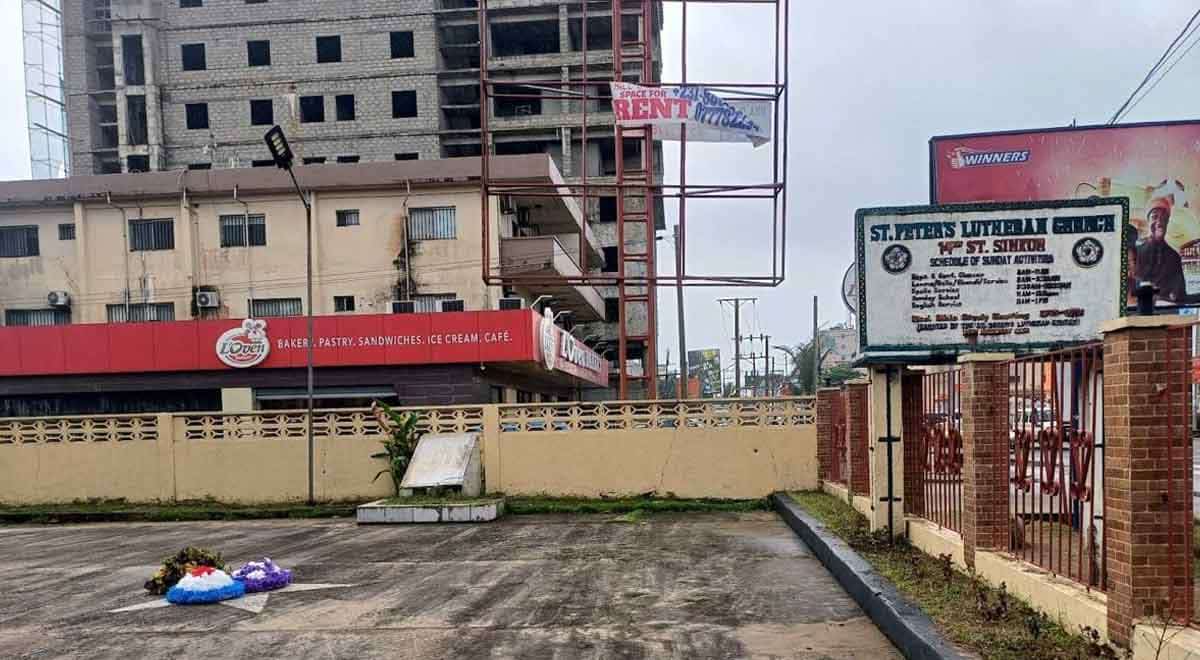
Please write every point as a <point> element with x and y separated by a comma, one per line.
<point>816,350</point>
<point>766,340</point>
<point>737,339</point>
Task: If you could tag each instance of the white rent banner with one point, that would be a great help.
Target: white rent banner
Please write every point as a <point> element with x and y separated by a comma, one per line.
<point>984,277</point>
<point>708,117</point>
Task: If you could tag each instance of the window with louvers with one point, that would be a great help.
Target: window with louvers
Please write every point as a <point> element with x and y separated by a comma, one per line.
<point>151,234</point>
<point>37,316</point>
<point>19,241</point>
<point>432,302</point>
<point>267,307</point>
<point>432,224</point>
<point>140,312</point>
<point>242,231</point>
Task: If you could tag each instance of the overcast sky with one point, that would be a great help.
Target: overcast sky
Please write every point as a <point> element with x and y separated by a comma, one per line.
<point>870,83</point>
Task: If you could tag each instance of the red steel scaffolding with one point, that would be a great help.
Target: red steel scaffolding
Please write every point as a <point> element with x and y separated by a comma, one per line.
<point>638,189</point>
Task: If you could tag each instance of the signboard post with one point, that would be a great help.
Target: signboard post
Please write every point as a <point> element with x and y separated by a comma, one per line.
<point>979,277</point>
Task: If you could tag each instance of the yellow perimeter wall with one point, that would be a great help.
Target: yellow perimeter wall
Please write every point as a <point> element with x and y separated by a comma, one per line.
<point>740,449</point>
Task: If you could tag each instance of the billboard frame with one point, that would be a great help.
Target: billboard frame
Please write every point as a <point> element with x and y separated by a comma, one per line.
<point>933,201</point>
<point>903,353</point>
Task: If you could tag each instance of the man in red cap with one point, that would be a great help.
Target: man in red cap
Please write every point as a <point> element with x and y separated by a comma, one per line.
<point>1157,262</point>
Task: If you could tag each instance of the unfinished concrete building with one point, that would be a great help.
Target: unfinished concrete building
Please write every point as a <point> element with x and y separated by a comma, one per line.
<point>194,84</point>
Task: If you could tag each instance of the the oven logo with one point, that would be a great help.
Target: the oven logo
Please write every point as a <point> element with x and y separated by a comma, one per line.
<point>245,345</point>
<point>549,340</point>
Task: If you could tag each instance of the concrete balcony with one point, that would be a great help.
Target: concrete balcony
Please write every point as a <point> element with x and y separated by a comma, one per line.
<point>547,256</point>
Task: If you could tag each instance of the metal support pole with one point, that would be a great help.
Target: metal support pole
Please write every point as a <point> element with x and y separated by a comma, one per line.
<point>737,350</point>
<point>308,277</point>
<point>891,495</point>
<point>683,364</point>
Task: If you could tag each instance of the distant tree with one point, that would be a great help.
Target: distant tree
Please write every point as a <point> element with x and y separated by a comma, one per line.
<point>801,376</point>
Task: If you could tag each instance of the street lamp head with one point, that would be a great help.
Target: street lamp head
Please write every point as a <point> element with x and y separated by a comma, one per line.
<point>277,143</point>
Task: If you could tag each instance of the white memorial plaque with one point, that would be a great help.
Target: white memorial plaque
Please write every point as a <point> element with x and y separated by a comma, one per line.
<point>449,459</point>
<point>997,277</point>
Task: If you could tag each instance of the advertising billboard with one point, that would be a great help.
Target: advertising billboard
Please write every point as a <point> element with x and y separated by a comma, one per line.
<point>705,366</point>
<point>994,276</point>
<point>707,116</point>
<point>1157,166</point>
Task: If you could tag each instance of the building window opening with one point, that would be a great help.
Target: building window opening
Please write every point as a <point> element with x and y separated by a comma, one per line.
<point>133,60</point>
<point>343,303</point>
<point>193,57</point>
<point>312,109</point>
<point>329,49</point>
<point>519,105</point>
<point>197,115</point>
<point>37,317</point>
<point>524,38</point>
<point>432,224</point>
<point>151,234</point>
<point>258,53</point>
<point>404,104</point>
<point>137,129</point>
<point>262,112</point>
<point>243,231</point>
<point>402,45</point>
<point>140,312</point>
<point>268,307</point>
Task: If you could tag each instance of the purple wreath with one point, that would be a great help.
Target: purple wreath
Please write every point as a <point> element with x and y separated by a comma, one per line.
<point>263,575</point>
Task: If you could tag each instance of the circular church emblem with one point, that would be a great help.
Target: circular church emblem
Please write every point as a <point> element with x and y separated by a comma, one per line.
<point>245,345</point>
<point>1087,252</point>
<point>896,259</point>
<point>549,340</point>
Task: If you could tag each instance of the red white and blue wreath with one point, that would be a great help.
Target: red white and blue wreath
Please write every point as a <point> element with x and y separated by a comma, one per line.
<point>263,575</point>
<point>205,584</point>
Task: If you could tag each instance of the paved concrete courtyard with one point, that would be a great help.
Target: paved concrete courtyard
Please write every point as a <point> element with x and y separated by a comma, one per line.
<point>674,586</point>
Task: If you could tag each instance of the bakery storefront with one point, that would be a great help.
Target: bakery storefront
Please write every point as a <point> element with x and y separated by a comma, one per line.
<point>238,365</point>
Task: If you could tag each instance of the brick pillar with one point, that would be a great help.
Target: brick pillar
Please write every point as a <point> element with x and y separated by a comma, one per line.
<point>914,448</point>
<point>827,399</point>
<point>984,400</point>
<point>858,421</point>
<point>1147,471</point>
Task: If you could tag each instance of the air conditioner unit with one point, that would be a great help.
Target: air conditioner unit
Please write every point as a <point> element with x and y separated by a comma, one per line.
<point>512,303</point>
<point>455,305</point>
<point>208,299</point>
<point>403,307</point>
<point>59,299</point>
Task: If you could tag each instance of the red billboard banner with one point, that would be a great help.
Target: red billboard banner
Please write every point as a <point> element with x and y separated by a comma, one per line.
<point>353,340</point>
<point>1157,166</point>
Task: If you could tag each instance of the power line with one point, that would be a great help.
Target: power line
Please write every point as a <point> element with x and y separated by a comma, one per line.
<point>1154,69</point>
<point>1166,71</point>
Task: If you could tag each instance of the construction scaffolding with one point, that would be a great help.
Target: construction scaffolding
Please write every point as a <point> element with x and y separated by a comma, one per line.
<point>636,182</point>
<point>45,103</point>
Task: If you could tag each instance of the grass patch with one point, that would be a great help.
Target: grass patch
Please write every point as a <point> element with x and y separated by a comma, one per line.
<point>122,511</point>
<point>972,614</point>
<point>628,505</point>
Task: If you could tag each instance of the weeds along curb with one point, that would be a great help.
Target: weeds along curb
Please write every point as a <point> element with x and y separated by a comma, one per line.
<point>910,629</point>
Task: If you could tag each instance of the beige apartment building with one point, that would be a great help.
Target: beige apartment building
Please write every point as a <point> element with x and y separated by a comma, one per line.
<point>230,243</point>
<point>389,238</point>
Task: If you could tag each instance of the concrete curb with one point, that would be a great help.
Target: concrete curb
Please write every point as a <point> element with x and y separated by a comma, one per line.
<point>902,621</point>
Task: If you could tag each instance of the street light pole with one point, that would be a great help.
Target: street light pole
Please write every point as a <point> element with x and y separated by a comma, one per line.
<point>282,154</point>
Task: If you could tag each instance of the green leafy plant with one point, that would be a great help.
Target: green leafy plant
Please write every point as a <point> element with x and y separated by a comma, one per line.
<point>176,566</point>
<point>400,444</point>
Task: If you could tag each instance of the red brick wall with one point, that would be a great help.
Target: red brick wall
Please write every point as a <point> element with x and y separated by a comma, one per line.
<point>827,399</point>
<point>1148,476</point>
<point>985,523</point>
<point>914,457</point>
<point>857,421</point>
